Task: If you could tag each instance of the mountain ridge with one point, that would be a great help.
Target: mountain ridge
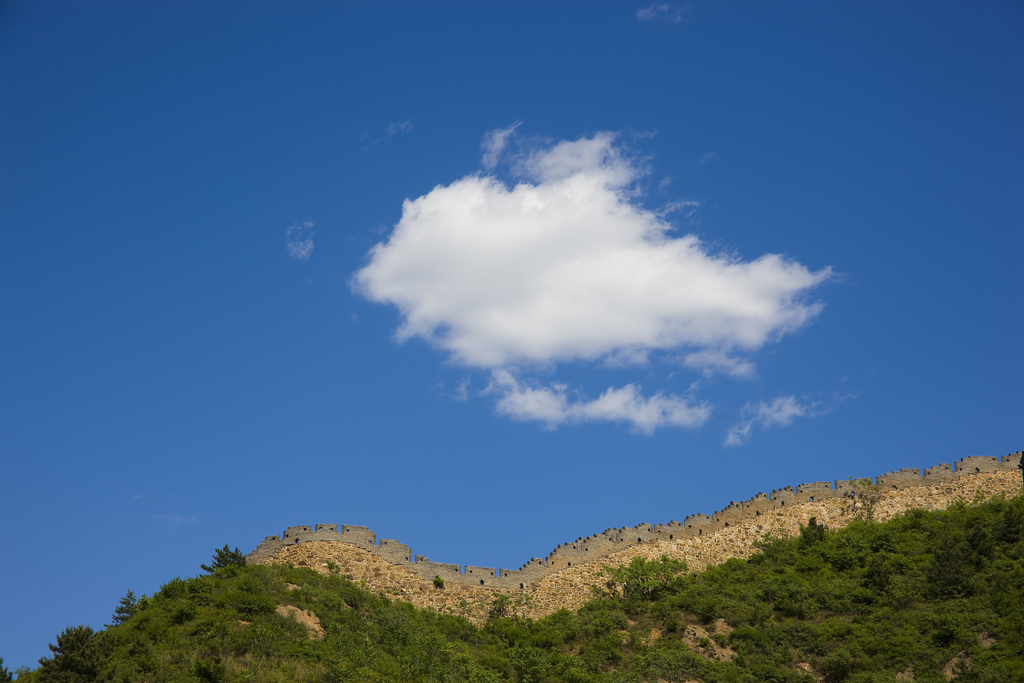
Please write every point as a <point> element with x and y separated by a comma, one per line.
<point>566,577</point>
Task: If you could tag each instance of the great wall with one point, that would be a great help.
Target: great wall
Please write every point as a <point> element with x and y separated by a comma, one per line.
<point>568,575</point>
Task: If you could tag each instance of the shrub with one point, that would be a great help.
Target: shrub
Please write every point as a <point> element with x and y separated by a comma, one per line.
<point>643,578</point>
<point>838,666</point>
<point>500,606</point>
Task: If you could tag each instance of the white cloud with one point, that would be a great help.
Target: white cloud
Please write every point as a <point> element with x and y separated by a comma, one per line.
<point>661,11</point>
<point>567,265</point>
<point>709,156</point>
<point>299,240</point>
<point>779,413</point>
<point>494,144</point>
<point>551,406</point>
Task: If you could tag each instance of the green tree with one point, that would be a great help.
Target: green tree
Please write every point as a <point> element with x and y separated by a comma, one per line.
<point>643,578</point>
<point>125,609</point>
<point>812,534</point>
<point>1011,526</point>
<point>528,663</point>
<point>951,567</point>
<point>224,557</point>
<point>838,666</point>
<point>500,606</point>
<point>5,674</point>
<point>76,657</point>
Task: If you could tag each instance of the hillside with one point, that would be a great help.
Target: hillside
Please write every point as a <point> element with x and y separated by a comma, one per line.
<point>566,577</point>
<point>926,596</point>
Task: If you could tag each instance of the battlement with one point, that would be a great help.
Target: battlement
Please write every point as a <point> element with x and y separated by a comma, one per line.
<point>588,548</point>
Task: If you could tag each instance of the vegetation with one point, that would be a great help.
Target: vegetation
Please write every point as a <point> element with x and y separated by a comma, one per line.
<point>126,609</point>
<point>224,557</point>
<point>935,593</point>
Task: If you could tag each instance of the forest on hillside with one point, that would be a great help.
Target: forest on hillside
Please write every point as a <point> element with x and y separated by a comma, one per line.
<point>928,597</point>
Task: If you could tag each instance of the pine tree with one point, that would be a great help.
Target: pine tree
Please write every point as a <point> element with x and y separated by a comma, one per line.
<point>225,557</point>
<point>5,674</point>
<point>126,609</point>
<point>76,658</point>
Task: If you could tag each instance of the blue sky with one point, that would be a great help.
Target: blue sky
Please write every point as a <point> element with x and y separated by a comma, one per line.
<point>485,277</point>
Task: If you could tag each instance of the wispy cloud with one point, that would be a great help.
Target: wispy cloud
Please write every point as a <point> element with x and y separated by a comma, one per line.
<point>551,406</point>
<point>392,131</point>
<point>687,206</point>
<point>494,144</point>
<point>461,392</point>
<point>712,362</point>
<point>398,128</point>
<point>663,12</point>
<point>174,521</point>
<point>299,240</point>
<point>779,413</point>
<point>708,156</point>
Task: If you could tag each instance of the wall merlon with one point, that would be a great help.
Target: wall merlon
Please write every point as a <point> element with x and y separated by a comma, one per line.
<point>359,535</point>
<point>846,487</point>
<point>697,523</point>
<point>533,562</point>
<point>783,495</point>
<point>481,575</point>
<point>976,464</point>
<point>941,472</point>
<point>396,551</point>
<point>731,513</point>
<point>1008,462</point>
<point>899,479</point>
<point>429,570</point>
<point>815,490</point>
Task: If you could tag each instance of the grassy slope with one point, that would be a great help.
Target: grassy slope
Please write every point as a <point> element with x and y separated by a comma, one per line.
<point>860,604</point>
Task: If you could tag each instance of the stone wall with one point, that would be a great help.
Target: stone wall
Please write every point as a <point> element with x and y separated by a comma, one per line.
<point>566,577</point>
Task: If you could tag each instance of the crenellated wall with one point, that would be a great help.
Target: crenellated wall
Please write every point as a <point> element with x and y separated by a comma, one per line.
<point>585,549</point>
